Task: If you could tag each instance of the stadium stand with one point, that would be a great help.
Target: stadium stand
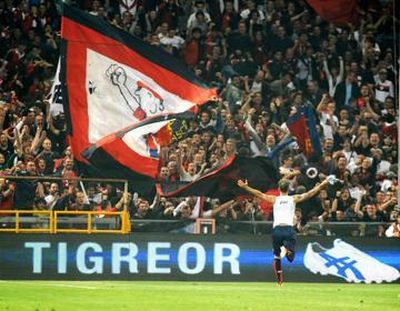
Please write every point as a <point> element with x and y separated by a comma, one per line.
<point>269,59</point>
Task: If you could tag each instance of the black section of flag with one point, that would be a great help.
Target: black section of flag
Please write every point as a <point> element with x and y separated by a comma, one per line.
<point>155,55</point>
<point>107,167</point>
<point>221,182</point>
<point>64,89</point>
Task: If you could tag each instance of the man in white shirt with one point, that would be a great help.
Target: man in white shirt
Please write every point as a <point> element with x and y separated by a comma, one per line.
<point>383,86</point>
<point>172,39</point>
<point>283,234</point>
<point>328,120</point>
<point>52,197</point>
<point>190,174</point>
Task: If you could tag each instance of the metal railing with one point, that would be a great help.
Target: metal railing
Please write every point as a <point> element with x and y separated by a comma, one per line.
<point>64,222</point>
<point>34,221</point>
<point>120,219</point>
<point>264,227</point>
<point>18,219</point>
<point>119,223</point>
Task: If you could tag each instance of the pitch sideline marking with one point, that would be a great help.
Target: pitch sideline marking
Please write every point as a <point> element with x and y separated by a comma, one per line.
<point>49,284</point>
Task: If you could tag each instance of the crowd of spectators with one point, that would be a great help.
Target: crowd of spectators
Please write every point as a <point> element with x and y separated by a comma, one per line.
<point>267,58</point>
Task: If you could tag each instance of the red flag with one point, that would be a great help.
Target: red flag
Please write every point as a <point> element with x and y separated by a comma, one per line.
<point>302,125</point>
<point>338,12</point>
<point>112,80</point>
<point>298,127</point>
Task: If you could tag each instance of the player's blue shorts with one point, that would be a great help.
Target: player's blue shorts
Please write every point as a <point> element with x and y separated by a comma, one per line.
<point>283,236</point>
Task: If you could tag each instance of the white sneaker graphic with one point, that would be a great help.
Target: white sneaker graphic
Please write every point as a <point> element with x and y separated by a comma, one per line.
<point>347,262</point>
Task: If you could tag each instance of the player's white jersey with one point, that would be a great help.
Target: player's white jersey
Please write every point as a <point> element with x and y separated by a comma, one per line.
<point>284,208</point>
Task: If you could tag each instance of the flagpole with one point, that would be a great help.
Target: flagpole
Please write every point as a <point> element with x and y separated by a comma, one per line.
<point>396,60</point>
<point>253,221</point>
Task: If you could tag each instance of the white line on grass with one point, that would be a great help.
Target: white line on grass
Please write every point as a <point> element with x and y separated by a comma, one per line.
<point>55,283</point>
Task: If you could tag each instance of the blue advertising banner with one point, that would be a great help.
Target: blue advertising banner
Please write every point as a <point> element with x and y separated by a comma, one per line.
<point>194,258</point>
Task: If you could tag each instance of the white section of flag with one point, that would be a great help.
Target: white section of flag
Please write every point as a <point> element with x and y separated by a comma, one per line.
<point>136,139</point>
<point>56,106</point>
<point>113,96</point>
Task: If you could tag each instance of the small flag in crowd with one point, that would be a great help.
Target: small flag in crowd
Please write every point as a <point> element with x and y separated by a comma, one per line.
<point>303,126</point>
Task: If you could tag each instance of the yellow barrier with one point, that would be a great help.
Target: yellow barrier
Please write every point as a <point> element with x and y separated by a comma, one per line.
<point>53,217</point>
<point>18,229</point>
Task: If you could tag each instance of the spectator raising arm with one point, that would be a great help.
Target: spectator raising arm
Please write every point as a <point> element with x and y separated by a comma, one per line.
<point>333,82</point>
<point>214,212</point>
<point>357,207</point>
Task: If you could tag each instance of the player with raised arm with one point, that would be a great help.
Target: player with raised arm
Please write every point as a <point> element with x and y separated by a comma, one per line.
<point>283,233</point>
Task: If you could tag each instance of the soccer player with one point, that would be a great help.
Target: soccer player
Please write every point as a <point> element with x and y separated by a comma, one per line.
<point>283,233</point>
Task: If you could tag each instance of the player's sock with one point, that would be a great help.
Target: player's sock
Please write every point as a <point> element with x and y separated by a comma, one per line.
<point>277,265</point>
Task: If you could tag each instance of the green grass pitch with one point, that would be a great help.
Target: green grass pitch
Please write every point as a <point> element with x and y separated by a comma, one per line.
<point>190,296</point>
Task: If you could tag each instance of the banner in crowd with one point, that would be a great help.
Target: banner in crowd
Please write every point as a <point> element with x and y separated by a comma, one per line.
<point>194,258</point>
<point>56,99</point>
<point>221,181</point>
<point>303,126</point>
<point>134,152</point>
<point>338,12</point>
<point>113,80</point>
